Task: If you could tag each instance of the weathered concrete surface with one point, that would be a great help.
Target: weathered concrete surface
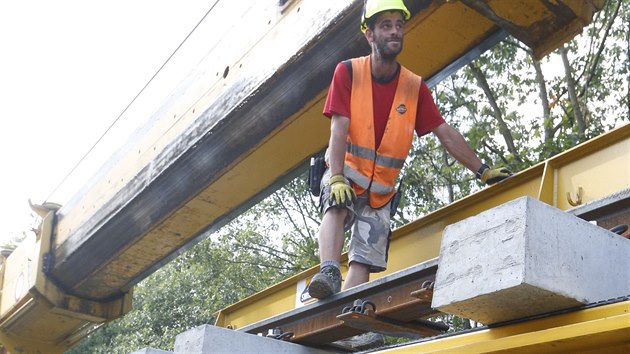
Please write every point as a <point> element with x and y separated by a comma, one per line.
<point>213,339</point>
<point>151,351</point>
<point>524,258</point>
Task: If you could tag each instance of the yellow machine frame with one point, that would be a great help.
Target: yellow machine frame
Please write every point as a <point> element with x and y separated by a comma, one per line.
<point>34,312</point>
<point>560,181</point>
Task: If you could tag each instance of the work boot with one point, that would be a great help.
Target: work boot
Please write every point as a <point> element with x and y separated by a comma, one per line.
<point>325,283</point>
<point>365,341</point>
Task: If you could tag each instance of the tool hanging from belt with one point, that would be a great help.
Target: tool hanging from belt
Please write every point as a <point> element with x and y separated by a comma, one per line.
<point>395,200</point>
<point>315,174</point>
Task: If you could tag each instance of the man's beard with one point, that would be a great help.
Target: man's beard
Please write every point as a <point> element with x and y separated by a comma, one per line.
<point>385,52</point>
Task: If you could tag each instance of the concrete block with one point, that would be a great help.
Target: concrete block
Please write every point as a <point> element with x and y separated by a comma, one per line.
<point>151,351</point>
<point>213,339</point>
<point>524,258</point>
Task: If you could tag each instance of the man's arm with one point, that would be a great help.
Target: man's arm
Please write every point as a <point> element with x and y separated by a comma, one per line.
<point>457,146</point>
<point>341,193</point>
<point>337,145</point>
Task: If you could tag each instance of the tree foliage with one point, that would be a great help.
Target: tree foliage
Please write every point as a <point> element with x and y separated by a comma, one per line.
<point>514,110</point>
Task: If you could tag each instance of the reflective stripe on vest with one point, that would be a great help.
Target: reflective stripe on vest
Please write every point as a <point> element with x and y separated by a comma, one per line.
<point>368,168</point>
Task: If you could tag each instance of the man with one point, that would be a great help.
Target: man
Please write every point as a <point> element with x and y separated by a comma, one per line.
<point>375,105</point>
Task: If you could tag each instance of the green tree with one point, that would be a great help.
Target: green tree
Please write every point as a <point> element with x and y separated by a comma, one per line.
<point>516,111</point>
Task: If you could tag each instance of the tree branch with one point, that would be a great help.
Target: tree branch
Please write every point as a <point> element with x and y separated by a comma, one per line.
<point>577,111</point>
<point>597,57</point>
<point>498,115</point>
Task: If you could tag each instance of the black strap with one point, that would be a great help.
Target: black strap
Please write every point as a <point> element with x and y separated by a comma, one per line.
<point>348,64</point>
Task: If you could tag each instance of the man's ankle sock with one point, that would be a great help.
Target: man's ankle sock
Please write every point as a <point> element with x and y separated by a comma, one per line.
<point>334,264</point>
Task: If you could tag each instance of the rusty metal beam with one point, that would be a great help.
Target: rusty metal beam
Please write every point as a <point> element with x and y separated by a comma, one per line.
<point>317,323</point>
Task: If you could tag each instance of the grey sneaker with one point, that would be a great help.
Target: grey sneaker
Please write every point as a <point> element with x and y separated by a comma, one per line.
<point>325,283</point>
<point>365,341</point>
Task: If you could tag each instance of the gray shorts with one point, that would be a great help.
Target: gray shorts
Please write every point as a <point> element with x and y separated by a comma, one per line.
<point>369,242</point>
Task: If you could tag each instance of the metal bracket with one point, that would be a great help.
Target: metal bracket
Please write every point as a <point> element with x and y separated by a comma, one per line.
<point>425,293</point>
<point>277,333</point>
<point>578,200</point>
<point>363,316</point>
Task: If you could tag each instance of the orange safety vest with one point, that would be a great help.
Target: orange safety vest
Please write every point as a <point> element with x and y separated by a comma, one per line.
<point>370,169</point>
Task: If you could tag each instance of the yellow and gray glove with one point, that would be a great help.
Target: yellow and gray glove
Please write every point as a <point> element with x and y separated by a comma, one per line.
<point>490,176</point>
<point>341,193</point>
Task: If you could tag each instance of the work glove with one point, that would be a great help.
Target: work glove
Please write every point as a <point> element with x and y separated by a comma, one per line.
<point>490,176</point>
<point>341,193</point>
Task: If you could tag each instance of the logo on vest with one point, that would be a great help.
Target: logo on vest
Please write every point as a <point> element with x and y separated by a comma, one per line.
<point>401,108</point>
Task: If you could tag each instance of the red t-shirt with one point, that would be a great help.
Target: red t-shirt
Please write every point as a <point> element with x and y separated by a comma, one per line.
<point>338,102</point>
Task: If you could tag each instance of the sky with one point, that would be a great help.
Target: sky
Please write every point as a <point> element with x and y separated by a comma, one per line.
<point>68,69</point>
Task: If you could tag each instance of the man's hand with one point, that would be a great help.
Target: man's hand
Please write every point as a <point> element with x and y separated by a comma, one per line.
<point>492,175</point>
<point>341,193</point>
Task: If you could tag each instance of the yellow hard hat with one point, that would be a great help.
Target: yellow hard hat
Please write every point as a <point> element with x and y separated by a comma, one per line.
<point>372,7</point>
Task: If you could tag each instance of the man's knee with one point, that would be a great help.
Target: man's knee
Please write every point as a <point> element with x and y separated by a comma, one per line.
<point>336,213</point>
<point>359,267</point>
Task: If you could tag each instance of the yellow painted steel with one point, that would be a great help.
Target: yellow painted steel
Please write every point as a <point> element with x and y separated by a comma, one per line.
<point>35,315</point>
<point>306,132</point>
<point>601,166</point>
<point>531,14</point>
<point>440,34</point>
<point>603,329</point>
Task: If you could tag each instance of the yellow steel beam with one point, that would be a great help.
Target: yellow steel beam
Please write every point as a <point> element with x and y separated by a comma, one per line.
<point>541,25</point>
<point>603,329</point>
<point>419,241</point>
<point>197,164</point>
<point>36,316</point>
<point>259,54</point>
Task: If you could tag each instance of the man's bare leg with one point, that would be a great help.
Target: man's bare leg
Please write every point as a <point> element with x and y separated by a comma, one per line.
<point>358,273</point>
<point>328,281</point>
<point>331,234</point>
